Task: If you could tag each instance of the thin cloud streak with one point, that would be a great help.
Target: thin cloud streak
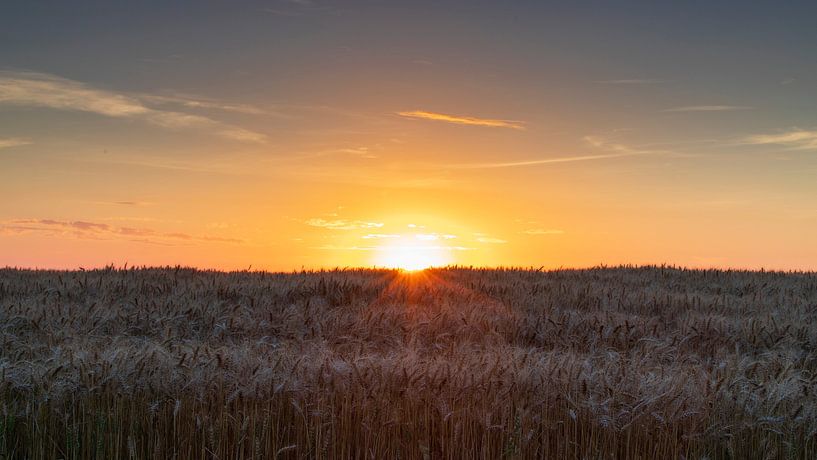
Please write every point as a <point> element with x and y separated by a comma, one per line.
<point>708,108</point>
<point>374,236</point>
<point>619,151</point>
<point>796,139</point>
<point>31,89</point>
<point>542,231</point>
<point>462,120</point>
<point>544,161</point>
<point>342,224</point>
<point>195,102</point>
<point>489,240</point>
<point>128,203</point>
<point>100,231</point>
<point>9,142</point>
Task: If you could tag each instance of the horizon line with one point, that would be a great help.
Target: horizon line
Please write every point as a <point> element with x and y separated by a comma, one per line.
<point>374,268</point>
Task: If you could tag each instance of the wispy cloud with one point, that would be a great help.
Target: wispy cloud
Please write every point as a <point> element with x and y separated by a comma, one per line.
<point>101,231</point>
<point>462,120</point>
<point>12,142</point>
<point>198,102</point>
<point>43,90</point>
<point>618,151</point>
<point>128,203</point>
<point>628,150</point>
<point>341,224</point>
<point>418,236</point>
<point>333,247</point>
<point>708,108</point>
<point>280,12</point>
<point>797,139</point>
<point>360,152</point>
<point>543,161</point>
<point>124,203</point>
<point>604,143</point>
<point>232,167</point>
<point>434,236</point>
<point>542,231</point>
<point>489,240</point>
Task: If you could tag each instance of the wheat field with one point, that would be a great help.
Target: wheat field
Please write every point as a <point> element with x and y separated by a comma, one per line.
<point>626,362</point>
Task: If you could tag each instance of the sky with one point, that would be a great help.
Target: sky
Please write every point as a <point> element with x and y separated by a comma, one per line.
<point>290,134</point>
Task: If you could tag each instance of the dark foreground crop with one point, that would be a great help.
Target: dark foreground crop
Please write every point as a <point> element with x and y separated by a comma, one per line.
<point>447,363</point>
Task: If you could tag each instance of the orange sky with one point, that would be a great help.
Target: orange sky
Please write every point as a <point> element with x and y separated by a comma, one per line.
<point>314,136</point>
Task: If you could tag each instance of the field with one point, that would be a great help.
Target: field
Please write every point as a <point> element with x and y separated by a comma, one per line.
<point>628,362</point>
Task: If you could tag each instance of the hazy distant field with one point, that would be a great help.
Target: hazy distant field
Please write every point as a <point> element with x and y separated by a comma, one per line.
<point>450,363</point>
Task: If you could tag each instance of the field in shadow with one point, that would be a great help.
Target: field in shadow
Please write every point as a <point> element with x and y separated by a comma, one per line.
<point>628,362</point>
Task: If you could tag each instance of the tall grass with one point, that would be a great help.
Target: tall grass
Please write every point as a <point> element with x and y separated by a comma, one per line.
<point>628,362</point>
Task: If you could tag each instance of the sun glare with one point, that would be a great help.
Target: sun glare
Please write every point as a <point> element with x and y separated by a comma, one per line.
<point>411,257</point>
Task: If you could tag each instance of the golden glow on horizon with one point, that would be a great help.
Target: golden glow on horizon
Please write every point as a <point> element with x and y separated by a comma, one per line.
<point>411,255</point>
<point>378,181</point>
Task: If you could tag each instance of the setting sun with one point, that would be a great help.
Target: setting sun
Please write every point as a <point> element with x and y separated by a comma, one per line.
<point>411,255</point>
